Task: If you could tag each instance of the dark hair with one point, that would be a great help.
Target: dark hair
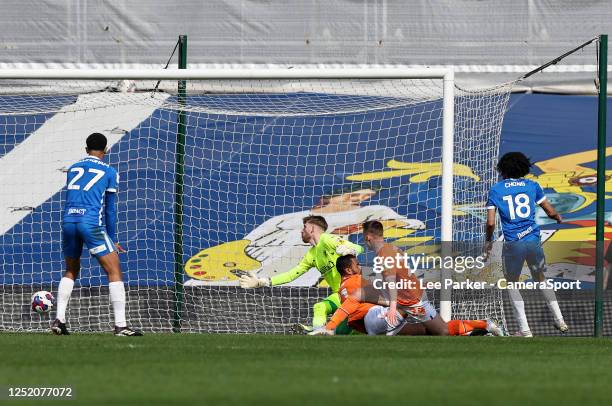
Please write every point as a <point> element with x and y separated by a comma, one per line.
<point>373,227</point>
<point>513,165</point>
<point>317,220</point>
<point>96,142</point>
<point>343,263</point>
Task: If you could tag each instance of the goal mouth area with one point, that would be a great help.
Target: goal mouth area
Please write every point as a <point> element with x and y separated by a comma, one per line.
<point>229,166</point>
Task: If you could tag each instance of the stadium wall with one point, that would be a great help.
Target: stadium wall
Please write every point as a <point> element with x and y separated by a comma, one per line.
<point>503,38</point>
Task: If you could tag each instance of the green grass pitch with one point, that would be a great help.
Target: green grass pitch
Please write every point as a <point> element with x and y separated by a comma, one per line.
<point>256,369</point>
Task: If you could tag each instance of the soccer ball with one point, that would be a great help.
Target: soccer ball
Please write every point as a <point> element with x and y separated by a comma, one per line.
<point>42,302</point>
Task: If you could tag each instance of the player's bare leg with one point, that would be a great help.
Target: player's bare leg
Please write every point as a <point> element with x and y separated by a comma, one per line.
<point>110,264</point>
<point>413,329</point>
<point>73,267</point>
<point>112,267</point>
<point>436,326</point>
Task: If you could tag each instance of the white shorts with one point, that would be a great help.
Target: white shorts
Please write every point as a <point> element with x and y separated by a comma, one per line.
<point>419,312</point>
<point>376,323</point>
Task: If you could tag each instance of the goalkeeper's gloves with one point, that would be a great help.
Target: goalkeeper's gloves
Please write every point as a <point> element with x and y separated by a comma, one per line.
<point>321,331</point>
<point>345,249</point>
<point>250,281</point>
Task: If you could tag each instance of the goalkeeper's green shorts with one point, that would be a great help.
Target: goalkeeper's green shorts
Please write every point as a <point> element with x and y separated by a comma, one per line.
<point>333,302</point>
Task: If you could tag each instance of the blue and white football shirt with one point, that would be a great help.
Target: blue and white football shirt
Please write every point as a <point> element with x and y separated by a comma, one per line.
<point>87,183</point>
<point>516,201</point>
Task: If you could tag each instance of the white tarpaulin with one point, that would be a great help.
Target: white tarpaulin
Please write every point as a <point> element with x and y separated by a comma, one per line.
<point>472,35</point>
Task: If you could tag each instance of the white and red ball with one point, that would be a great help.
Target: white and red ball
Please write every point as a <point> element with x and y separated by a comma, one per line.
<point>42,302</point>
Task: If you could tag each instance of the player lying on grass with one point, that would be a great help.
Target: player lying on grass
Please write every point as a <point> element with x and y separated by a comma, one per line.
<point>89,183</point>
<point>358,297</point>
<point>515,198</point>
<point>326,248</point>
<point>376,323</point>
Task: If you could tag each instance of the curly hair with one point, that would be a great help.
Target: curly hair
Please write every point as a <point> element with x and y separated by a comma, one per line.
<point>514,165</point>
<point>96,142</point>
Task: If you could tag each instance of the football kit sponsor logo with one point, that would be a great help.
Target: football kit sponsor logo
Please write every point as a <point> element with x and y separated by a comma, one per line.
<point>524,233</point>
<point>328,267</point>
<point>76,212</point>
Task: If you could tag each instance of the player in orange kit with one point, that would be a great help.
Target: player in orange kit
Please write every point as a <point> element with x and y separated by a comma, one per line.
<point>358,298</point>
<point>408,300</point>
<point>366,317</point>
<point>471,327</point>
<point>350,290</point>
<point>408,303</point>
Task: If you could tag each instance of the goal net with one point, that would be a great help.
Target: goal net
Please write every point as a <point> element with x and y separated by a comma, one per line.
<point>216,183</point>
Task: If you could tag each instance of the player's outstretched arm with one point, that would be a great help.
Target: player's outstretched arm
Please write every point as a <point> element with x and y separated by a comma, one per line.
<point>550,211</point>
<point>251,280</point>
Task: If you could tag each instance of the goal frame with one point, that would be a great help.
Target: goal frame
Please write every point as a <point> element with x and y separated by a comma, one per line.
<point>448,109</point>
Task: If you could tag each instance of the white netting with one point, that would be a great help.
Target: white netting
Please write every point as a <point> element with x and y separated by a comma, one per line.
<point>478,122</point>
<point>258,156</point>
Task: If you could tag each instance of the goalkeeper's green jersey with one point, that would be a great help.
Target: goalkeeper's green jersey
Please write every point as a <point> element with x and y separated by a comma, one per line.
<point>322,256</point>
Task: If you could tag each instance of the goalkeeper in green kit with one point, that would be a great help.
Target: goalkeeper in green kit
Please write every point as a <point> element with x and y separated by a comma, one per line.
<point>325,250</point>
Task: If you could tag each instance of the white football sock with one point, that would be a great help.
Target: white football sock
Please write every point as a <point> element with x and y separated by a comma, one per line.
<point>63,296</point>
<point>551,302</point>
<point>518,305</point>
<point>117,299</point>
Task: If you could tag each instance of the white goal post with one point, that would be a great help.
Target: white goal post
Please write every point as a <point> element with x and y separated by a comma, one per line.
<point>300,81</point>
